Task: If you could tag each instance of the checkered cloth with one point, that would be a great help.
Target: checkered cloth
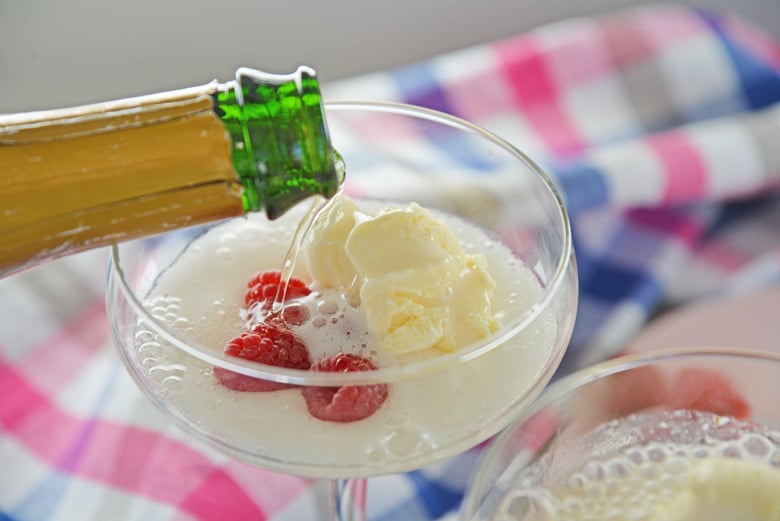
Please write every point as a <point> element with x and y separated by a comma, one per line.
<point>660,124</point>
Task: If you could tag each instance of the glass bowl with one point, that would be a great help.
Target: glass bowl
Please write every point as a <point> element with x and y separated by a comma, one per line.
<point>652,436</point>
<point>437,406</point>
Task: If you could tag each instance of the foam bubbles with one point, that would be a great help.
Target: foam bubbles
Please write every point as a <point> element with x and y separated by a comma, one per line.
<point>629,481</point>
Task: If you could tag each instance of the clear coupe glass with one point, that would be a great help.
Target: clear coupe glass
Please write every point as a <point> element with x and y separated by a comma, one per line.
<point>436,407</point>
<point>685,434</point>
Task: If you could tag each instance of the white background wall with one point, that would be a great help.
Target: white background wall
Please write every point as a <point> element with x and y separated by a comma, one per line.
<point>57,53</point>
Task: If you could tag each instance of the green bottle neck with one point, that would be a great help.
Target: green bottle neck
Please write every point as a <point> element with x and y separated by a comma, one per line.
<point>281,147</point>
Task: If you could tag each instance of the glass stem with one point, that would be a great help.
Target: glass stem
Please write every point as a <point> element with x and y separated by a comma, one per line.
<point>348,499</point>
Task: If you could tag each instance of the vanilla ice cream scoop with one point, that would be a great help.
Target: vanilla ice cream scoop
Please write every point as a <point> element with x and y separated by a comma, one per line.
<point>416,286</point>
<point>324,254</point>
<point>728,490</point>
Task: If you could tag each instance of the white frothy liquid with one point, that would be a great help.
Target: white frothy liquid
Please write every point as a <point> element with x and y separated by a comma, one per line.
<point>439,413</point>
<point>638,463</point>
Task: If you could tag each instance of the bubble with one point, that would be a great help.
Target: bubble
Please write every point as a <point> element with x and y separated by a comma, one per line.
<point>756,445</point>
<point>157,312</point>
<point>167,375</point>
<point>149,363</point>
<point>171,383</point>
<point>594,470</point>
<point>318,321</point>
<point>635,456</point>
<point>656,453</point>
<point>143,335</point>
<point>181,322</point>
<point>619,468</point>
<point>732,451</point>
<point>149,346</point>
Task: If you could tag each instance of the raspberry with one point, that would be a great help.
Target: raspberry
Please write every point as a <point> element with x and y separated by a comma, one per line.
<point>708,391</point>
<point>266,344</point>
<point>347,403</point>
<point>263,287</point>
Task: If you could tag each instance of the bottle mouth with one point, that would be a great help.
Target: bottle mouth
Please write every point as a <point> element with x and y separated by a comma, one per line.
<point>119,273</point>
<point>280,145</point>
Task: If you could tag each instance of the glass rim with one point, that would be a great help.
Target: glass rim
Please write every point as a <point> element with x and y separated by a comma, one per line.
<point>393,373</point>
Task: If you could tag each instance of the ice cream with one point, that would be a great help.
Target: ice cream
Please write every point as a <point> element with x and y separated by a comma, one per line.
<point>408,272</point>
<point>725,489</point>
<point>324,253</point>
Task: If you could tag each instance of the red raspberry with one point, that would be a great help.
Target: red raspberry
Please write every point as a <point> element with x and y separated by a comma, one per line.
<point>266,344</point>
<point>347,403</point>
<point>708,391</point>
<point>263,287</point>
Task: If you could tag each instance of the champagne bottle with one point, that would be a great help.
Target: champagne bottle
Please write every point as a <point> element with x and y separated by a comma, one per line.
<point>83,177</point>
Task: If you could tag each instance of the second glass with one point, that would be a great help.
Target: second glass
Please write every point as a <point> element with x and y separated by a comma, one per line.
<point>684,434</point>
